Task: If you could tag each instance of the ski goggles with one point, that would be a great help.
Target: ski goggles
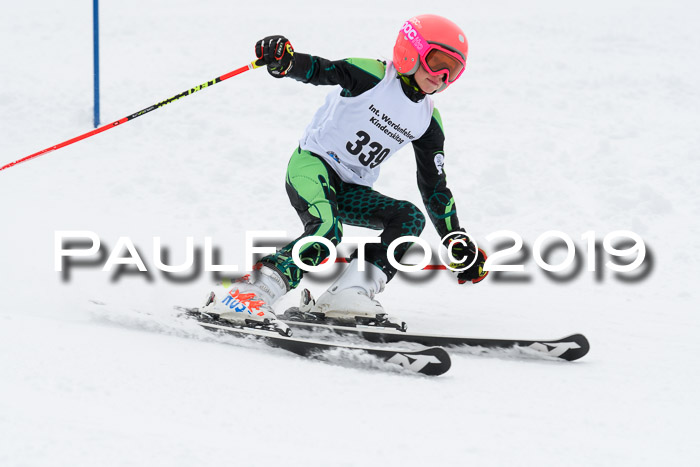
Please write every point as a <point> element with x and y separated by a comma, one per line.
<point>436,59</point>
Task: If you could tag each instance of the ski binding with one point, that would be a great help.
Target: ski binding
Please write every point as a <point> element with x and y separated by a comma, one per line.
<point>303,314</point>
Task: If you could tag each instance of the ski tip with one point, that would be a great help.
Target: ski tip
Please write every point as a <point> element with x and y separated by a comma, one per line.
<point>577,348</point>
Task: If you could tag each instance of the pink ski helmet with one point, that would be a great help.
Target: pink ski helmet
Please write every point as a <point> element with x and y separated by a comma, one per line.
<point>435,42</point>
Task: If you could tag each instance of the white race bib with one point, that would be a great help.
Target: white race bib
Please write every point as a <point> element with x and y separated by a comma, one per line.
<point>356,134</point>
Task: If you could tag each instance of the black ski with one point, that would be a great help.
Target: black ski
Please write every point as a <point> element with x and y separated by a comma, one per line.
<point>432,361</point>
<point>568,348</point>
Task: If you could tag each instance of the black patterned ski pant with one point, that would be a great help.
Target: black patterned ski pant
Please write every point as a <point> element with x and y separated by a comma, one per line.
<point>324,203</point>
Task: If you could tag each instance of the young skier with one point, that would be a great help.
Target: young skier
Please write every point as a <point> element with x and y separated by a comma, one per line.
<point>379,108</point>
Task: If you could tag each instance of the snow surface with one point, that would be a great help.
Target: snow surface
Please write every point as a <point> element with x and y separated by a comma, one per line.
<point>570,117</point>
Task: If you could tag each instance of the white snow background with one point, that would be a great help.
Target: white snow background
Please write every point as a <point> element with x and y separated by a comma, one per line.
<point>570,116</point>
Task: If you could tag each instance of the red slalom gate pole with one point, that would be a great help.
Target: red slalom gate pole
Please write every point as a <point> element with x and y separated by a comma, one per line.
<point>226,76</point>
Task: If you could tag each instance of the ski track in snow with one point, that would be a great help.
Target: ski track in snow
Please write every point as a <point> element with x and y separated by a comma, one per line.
<point>570,118</point>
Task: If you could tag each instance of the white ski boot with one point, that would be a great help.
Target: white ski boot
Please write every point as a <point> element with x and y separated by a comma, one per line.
<point>249,301</point>
<point>350,299</point>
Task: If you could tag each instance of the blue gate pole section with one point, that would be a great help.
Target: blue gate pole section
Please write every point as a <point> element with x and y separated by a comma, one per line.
<point>96,59</point>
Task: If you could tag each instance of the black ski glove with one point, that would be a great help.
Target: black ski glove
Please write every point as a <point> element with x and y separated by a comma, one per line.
<point>463,253</point>
<point>277,53</point>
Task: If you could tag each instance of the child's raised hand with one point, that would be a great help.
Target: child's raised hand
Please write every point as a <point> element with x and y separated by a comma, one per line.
<point>277,53</point>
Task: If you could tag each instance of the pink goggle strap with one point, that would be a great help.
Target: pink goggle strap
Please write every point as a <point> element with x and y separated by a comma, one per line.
<point>418,42</point>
